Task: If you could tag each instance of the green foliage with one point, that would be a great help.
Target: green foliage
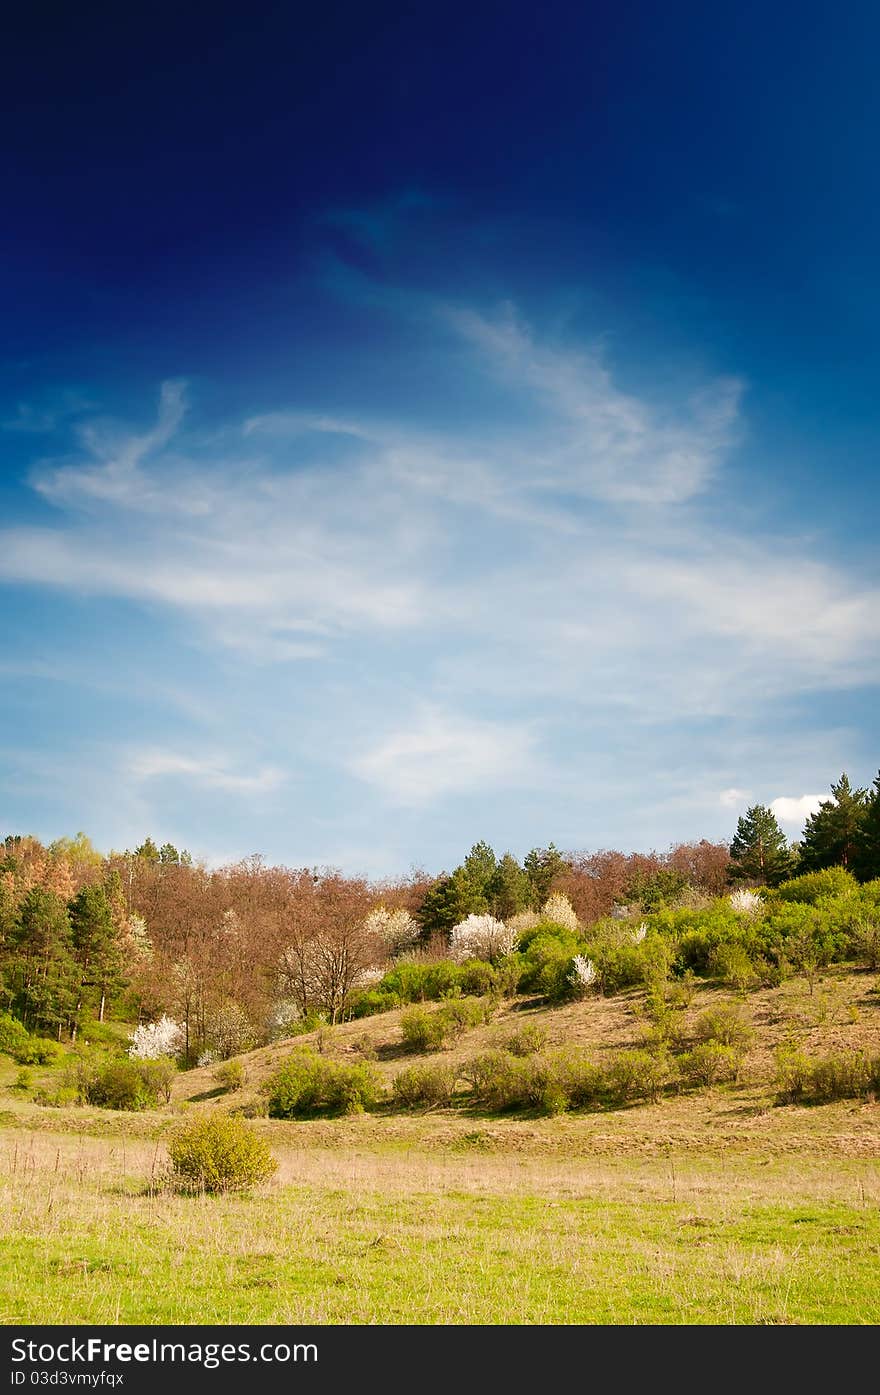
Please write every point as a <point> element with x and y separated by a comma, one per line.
<point>638,1075</point>
<point>653,890</point>
<point>220,1154</point>
<point>13,1035</point>
<point>866,862</point>
<point>565,1079</point>
<point>230,1074</point>
<point>36,1051</point>
<point>732,964</point>
<point>831,836</point>
<point>127,1084</point>
<point>41,973</point>
<point>759,853</point>
<point>846,1075</point>
<point>526,1040</point>
<point>429,980</point>
<point>709,1063</point>
<point>543,867</point>
<point>423,1029</point>
<point>813,887</point>
<point>424,1085</point>
<point>508,889</point>
<point>726,1024</point>
<point>307,1084</point>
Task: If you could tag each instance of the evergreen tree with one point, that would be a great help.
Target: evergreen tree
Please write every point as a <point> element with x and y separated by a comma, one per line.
<point>450,900</point>
<point>96,951</point>
<point>509,889</point>
<point>542,867</point>
<point>831,835</point>
<point>148,851</point>
<point>42,974</point>
<point>479,868</point>
<point>866,863</point>
<point>759,851</point>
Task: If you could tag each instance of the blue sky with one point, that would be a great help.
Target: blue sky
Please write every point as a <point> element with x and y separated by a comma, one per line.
<point>419,427</point>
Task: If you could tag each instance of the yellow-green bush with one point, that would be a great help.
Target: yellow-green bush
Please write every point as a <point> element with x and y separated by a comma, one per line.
<point>219,1154</point>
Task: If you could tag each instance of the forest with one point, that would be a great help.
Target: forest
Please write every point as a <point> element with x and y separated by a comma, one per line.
<point>242,955</point>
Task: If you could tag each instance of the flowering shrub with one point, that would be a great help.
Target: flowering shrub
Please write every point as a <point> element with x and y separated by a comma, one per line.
<point>640,932</point>
<point>522,921</point>
<point>154,1039</point>
<point>229,1031</point>
<point>480,937</point>
<point>746,902</point>
<point>397,929</point>
<point>560,911</point>
<point>583,973</point>
<point>220,1154</point>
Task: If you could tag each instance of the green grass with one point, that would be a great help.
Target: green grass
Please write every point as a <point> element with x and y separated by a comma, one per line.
<point>421,1237</point>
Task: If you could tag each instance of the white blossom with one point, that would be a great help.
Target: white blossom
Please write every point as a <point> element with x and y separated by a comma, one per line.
<point>153,1039</point>
<point>640,933</point>
<point>367,977</point>
<point>559,909</point>
<point>583,971</point>
<point>480,937</point>
<point>746,902</point>
<point>207,1058</point>
<point>397,929</point>
<point>523,921</point>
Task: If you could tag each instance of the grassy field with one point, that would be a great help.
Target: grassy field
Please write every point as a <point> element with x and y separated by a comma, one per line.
<point>709,1207</point>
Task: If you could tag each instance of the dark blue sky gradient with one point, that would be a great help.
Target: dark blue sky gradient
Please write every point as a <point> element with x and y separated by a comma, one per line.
<point>263,199</point>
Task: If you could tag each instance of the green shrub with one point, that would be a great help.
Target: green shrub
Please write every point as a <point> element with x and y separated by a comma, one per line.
<point>372,1001</point>
<point>426,1085</point>
<point>308,1084</point>
<point>127,1084</point>
<point>230,1074</point>
<point>847,1075</point>
<point>461,1013</point>
<point>23,1080</point>
<point>219,1154</point>
<point>709,1063</point>
<point>582,1081</point>
<point>13,1035</point>
<point>726,1024</point>
<point>813,887</point>
<point>494,1079</point>
<point>424,1030</point>
<point>637,1075</point>
<point>732,964</point>
<point>526,1040</point>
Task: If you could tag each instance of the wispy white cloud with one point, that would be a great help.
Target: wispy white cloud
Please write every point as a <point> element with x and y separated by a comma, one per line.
<point>211,773</point>
<point>438,753</point>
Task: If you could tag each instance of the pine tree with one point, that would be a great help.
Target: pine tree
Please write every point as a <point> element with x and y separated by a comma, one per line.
<point>831,835</point>
<point>42,974</point>
<point>759,851</point>
<point>866,862</point>
<point>96,950</point>
<point>542,867</point>
<point>509,888</point>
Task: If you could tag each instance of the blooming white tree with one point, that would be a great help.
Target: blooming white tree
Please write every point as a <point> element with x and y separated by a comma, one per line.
<point>640,933</point>
<point>480,937</point>
<point>154,1039</point>
<point>398,929</point>
<point>582,973</point>
<point>559,909</point>
<point>366,978</point>
<point>746,902</point>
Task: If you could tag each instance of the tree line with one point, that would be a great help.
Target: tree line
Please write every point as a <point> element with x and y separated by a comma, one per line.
<point>235,954</point>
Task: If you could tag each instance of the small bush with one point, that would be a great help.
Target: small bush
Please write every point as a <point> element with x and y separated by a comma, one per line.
<point>461,1013</point>
<point>637,1075</point>
<point>527,1040</point>
<point>13,1035</point>
<point>727,1025</point>
<point>37,1051</point>
<point>127,1084</point>
<point>308,1084</point>
<point>732,964</point>
<point>230,1074</point>
<point>423,1030</point>
<point>709,1064</point>
<point>424,1085</point>
<point>23,1080</point>
<point>220,1154</point>
<point>812,887</point>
